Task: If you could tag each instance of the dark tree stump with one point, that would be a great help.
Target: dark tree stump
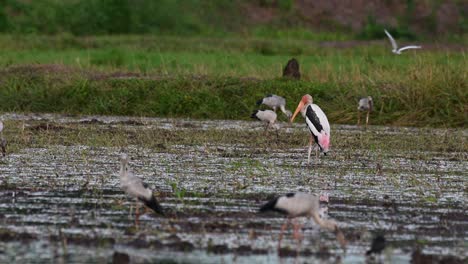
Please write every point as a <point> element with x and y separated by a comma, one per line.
<point>292,69</point>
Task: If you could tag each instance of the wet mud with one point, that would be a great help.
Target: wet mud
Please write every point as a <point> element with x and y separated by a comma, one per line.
<point>60,198</point>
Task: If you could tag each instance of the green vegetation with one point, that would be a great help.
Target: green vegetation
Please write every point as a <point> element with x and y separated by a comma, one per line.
<point>114,16</point>
<point>222,78</point>
<point>232,17</point>
<point>179,192</point>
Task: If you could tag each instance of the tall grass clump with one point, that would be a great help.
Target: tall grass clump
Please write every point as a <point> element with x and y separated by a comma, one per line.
<point>223,77</point>
<point>427,96</point>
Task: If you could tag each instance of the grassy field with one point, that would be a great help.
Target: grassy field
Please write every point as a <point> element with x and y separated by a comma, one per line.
<point>201,77</point>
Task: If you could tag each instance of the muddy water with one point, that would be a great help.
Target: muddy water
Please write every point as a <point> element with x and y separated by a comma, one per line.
<point>64,203</point>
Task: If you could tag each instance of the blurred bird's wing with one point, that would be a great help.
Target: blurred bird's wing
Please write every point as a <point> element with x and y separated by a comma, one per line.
<point>137,188</point>
<point>392,40</point>
<point>409,47</point>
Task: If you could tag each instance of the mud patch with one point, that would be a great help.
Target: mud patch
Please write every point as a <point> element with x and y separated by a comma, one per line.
<point>211,177</point>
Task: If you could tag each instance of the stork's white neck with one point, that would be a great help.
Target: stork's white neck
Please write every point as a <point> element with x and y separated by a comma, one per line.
<point>123,170</point>
<point>327,224</point>
<point>304,109</point>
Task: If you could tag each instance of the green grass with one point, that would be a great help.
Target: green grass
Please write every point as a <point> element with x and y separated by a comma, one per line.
<point>117,16</point>
<point>223,78</point>
<point>299,33</point>
<point>262,18</point>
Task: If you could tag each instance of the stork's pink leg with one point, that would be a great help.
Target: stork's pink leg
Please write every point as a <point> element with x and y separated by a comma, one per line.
<point>297,230</point>
<point>283,227</point>
<point>311,140</point>
<point>298,233</point>
<point>367,118</point>
<point>137,214</point>
<point>130,212</point>
<point>294,228</point>
<point>359,118</point>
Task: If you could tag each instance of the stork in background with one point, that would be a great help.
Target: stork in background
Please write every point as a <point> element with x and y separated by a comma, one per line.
<point>317,122</point>
<point>267,116</point>
<point>301,204</point>
<point>135,188</point>
<point>274,102</point>
<point>366,104</point>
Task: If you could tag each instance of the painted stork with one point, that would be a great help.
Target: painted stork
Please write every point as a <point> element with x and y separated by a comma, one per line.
<point>136,188</point>
<point>267,116</point>
<point>397,50</point>
<point>297,205</point>
<point>317,123</point>
<point>365,105</point>
<point>274,102</point>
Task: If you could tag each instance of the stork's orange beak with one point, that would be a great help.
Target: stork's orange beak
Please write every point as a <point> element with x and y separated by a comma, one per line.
<point>298,109</point>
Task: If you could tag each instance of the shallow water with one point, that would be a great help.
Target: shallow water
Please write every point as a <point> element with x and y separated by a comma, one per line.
<point>64,203</point>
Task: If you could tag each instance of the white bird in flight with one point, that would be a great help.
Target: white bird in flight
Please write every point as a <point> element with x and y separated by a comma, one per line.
<point>397,50</point>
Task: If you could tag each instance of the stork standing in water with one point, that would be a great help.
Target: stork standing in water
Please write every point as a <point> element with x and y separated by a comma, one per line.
<point>267,116</point>
<point>317,122</point>
<point>365,105</point>
<point>297,205</point>
<point>134,187</point>
<point>274,102</point>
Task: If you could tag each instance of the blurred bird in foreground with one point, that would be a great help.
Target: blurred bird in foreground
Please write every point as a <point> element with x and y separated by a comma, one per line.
<point>301,204</point>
